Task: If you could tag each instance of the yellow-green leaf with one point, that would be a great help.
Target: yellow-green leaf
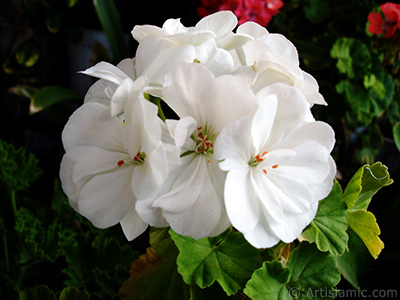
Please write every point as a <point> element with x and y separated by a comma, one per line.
<point>364,224</point>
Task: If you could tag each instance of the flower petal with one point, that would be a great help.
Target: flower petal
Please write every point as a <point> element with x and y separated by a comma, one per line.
<point>107,71</point>
<point>86,127</point>
<point>222,23</point>
<point>132,225</point>
<point>241,201</point>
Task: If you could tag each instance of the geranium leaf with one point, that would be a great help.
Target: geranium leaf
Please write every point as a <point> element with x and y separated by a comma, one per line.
<point>39,292</point>
<point>364,224</point>
<point>307,272</point>
<point>18,169</point>
<point>230,260</point>
<point>72,293</point>
<point>355,263</point>
<point>328,229</point>
<point>153,277</point>
<point>364,184</point>
<point>50,95</point>
<point>269,282</point>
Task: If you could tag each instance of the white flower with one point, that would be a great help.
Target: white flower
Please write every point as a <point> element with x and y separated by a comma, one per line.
<point>271,58</point>
<point>109,163</point>
<point>211,38</point>
<point>144,73</point>
<point>279,167</point>
<point>193,200</point>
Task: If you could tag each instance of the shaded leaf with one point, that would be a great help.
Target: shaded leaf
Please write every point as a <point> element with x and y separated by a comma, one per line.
<point>39,292</point>
<point>328,229</point>
<point>111,22</point>
<point>153,277</point>
<point>50,95</point>
<point>396,135</point>
<point>228,259</point>
<point>72,293</point>
<point>27,54</point>
<point>354,264</point>
<point>18,169</point>
<point>317,11</point>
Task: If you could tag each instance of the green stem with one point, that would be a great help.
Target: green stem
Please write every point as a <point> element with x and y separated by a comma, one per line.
<point>6,255</point>
<point>157,101</point>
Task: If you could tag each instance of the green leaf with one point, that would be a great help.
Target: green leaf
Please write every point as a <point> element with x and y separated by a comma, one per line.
<point>72,293</point>
<point>40,242</point>
<point>307,272</point>
<point>17,168</point>
<point>328,229</point>
<point>317,11</point>
<point>358,194</point>
<point>312,270</point>
<point>111,22</point>
<point>153,277</point>
<point>396,135</point>
<point>50,95</point>
<point>364,224</point>
<point>368,180</point>
<point>269,282</point>
<point>352,56</point>
<point>228,259</point>
<point>27,54</point>
<point>162,242</point>
<point>355,263</point>
<point>39,292</point>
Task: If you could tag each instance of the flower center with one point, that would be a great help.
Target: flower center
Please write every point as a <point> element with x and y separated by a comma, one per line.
<point>137,160</point>
<point>256,160</point>
<point>204,143</point>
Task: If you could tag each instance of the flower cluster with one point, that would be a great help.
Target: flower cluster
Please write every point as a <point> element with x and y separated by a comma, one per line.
<point>244,150</point>
<point>387,24</point>
<point>259,11</point>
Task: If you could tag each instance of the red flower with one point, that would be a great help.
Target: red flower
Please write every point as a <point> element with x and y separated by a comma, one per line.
<point>389,24</point>
<point>259,11</point>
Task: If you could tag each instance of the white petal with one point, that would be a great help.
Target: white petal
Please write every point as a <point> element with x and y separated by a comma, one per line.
<point>140,32</point>
<point>187,184</point>
<point>86,127</point>
<point>106,71</point>
<point>222,23</point>
<point>241,201</point>
<point>174,26</point>
<point>182,129</point>
<point>106,198</point>
<point>252,29</point>
<point>280,45</point>
<point>187,87</point>
<point>148,213</point>
<point>263,122</point>
<point>204,214</point>
<point>233,146</point>
<point>262,236</point>
<point>132,225</point>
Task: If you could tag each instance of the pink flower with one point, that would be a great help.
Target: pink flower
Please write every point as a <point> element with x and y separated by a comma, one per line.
<point>389,24</point>
<point>259,11</point>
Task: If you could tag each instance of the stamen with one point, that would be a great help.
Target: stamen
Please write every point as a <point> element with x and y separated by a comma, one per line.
<point>275,166</point>
<point>120,163</point>
<point>265,171</point>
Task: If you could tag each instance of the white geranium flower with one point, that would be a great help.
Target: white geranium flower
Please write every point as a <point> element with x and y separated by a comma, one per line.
<point>211,38</point>
<point>109,163</point>
<point>271,58</point>
<point>193,200</point>
<point>279,167</point>
<point>144,73</point>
